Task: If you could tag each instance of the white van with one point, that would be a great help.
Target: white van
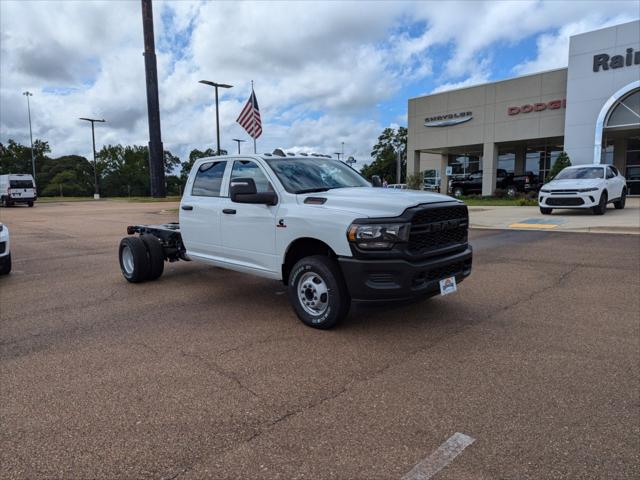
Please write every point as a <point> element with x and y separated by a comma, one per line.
<point>17,188</point>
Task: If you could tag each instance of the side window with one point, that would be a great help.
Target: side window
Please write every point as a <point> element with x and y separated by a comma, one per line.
<point>610,173</point>
<point>615,171</point>
<point>208,179</point>
<point>249,169</point>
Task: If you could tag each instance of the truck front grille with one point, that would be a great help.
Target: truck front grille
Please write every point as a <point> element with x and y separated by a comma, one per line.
<point>438,227</point>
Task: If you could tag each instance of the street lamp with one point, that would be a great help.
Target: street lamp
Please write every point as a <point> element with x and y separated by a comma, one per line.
<point>239,141</point>
<point>216,86</point>
<point>33,158</point>
<point>95,163</point>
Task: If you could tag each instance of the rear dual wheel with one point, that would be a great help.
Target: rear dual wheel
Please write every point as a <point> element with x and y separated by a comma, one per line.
<point>141,258</point>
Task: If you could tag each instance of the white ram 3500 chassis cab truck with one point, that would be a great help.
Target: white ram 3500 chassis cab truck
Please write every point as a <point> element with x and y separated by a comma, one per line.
<point>315,224</point>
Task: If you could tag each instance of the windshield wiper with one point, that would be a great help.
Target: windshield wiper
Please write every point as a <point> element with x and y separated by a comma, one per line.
<point>312,190</point>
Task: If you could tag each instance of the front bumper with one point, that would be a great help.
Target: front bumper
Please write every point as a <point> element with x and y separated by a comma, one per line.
<point>569,200</point>
<point>384,280</point>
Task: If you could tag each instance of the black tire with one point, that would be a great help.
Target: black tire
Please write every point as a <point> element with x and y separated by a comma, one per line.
<point>30,204</point>
<point>458,192</point>
<point>135,268</point>
<point>5,265</point>
<point>621,202</point>
<point>602,206</point>
<point>546,211</point>
<point>336,303</point>
<point>512,192</point>
<point>156,256</point>
<point>6,203</point>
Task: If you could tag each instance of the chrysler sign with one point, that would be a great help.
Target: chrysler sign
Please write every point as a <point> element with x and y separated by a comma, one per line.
<point>448,119</point>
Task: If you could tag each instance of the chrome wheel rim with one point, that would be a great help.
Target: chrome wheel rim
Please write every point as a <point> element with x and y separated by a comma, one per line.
<point>313,293</point>
<point>127,260</point>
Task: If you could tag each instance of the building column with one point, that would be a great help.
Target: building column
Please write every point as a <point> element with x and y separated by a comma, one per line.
<point>414,166</point>
<point>521,160</point>
<point>444,180</point>
<point>489,169</point>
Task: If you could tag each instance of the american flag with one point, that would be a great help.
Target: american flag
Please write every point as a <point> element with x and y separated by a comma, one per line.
<point>249,117</point>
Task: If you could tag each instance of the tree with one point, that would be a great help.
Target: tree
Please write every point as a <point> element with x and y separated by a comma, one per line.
<point>124,170</point>
<point>385,154</point>
<point>562,162</point>
<point>70,175</point>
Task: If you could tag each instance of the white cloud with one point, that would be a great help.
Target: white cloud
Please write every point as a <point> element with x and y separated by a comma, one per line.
<point>553,48</point>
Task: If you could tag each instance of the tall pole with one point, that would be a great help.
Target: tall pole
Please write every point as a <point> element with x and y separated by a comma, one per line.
<point>33,158</point>
<point>156,150</point>
<point>255,150</point>
<point>216,86</point>
<point>95,162</point>
<point>398,166</point>
<point>239,142</point>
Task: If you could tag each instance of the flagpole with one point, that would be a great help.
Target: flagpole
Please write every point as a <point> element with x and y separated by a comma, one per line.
<point>254,121</point>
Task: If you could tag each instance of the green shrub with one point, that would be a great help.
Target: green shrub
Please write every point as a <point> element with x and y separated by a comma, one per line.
<point>562,162</point>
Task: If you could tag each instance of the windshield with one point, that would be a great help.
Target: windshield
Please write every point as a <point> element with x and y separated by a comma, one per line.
<point>580,173</point>
<point>305,175</point>
<point>20,184</point>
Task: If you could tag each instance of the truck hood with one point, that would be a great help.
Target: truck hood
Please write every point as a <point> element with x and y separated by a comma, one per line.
<point>375,202</point>
<point>572,183</point>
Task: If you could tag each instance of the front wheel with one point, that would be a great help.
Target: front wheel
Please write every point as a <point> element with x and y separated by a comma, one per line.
<point>458,192</point>
<point>602,206</point>
<point>546,211</point>
<point>5,265</point>
<point>318,293</point>
<point>512,191</point>
<point>30,204</point>
<point>619,204</point>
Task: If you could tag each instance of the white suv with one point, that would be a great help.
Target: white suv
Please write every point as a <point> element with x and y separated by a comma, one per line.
<point>584,186</point>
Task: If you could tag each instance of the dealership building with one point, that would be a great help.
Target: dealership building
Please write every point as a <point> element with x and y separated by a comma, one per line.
<point>591,110</point>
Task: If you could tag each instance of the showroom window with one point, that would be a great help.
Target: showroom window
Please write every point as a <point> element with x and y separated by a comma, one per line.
<point>507,160</point>
<point>464,164</point>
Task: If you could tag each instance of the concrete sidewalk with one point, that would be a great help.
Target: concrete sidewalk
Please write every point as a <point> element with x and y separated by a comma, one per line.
<point>529,218</point>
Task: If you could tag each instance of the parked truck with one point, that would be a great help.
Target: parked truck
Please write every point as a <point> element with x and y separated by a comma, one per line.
<point>17,188</point>
<point>510,183</point>
<point>313,223</point>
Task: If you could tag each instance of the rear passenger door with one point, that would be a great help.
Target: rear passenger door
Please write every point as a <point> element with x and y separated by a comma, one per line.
<point>249,230</point>
<point>201,210</point>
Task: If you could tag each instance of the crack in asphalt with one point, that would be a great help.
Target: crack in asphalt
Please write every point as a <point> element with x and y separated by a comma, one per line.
<point>220,371</point>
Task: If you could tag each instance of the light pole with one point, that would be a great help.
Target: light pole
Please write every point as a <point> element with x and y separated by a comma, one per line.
<point>342,149</point>
<point>239,141</point>
<point>33,158</point>
<point>216,86</point>
<point>95,163</point>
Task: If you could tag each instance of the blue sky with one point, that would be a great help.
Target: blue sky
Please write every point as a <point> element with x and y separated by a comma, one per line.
<point>325,72</point>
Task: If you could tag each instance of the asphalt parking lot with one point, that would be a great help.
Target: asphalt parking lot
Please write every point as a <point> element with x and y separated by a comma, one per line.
<point>208,373</point>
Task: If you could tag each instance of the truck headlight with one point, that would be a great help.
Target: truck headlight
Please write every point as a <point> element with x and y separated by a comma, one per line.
<point>378,236</point>
<point>587,189</point>
<point>545,190</point>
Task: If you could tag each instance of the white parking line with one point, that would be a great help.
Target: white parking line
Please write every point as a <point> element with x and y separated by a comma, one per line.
<point>440,458</point>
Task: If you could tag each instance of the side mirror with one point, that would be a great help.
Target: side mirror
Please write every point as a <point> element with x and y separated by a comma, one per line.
<point>243,190</point>
<point>376,181</point>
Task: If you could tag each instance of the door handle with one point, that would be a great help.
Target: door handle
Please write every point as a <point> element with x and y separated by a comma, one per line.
<point>229,211</point>
<point>187,207</point>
